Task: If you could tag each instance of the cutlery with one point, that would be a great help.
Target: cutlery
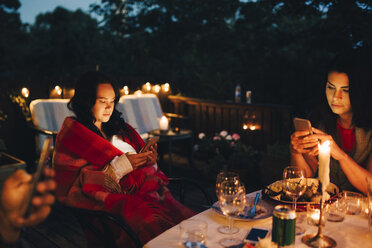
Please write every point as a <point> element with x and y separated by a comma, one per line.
<point>253,210</point>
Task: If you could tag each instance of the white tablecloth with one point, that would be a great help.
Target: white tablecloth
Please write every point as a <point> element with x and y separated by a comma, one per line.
<point>352,232</point>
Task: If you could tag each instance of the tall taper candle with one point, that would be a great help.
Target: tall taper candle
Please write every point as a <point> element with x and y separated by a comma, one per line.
<point>324,158</point>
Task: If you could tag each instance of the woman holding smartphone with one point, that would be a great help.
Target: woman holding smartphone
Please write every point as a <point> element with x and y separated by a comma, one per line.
<point>98,165</point>
<point>345,119</point>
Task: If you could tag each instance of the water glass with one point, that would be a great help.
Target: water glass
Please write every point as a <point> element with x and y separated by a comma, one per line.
<point>193,230</point>
<point>336,211</point>
<point>353,202</point>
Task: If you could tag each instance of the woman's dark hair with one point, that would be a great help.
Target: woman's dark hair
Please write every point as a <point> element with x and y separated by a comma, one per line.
<point>85,98</point>
<point>358,68</point>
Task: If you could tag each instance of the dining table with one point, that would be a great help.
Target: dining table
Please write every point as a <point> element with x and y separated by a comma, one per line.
<point>352,232</point>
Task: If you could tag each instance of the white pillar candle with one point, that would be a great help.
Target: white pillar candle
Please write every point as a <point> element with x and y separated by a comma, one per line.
<point>163,123</point>
<point>324,158</point>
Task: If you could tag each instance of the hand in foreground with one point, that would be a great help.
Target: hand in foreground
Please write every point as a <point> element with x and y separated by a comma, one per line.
<point>138,160</point>
<point>302,142</point>
<point>13,203</point>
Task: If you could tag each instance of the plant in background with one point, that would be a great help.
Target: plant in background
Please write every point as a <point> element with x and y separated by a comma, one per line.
<point>21,102</point>
<point>226,151</point>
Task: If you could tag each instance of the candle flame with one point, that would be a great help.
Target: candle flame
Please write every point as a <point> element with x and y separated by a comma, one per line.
<point>25,92</point>
<point>324,147</point>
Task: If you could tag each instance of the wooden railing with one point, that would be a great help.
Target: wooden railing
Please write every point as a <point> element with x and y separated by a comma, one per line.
<point>272,122</point>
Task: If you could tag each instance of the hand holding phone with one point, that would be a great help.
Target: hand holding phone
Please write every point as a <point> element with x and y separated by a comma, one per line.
<point>302,125</point>
<point>37,175</point>
<point>255,233</point>
<point>150,142</point>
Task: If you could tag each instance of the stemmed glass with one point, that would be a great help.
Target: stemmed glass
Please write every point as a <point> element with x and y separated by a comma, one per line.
<point>225,176</point>
<point>232,199</point>
<point>294,185</point>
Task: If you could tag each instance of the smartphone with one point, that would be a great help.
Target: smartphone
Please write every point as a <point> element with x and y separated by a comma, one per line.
<point>302,125</point>
<point>255,233</point>
<point>150,142</point>
<point>37,175</point>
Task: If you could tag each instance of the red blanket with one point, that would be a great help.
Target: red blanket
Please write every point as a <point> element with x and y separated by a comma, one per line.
<point>141,197</point>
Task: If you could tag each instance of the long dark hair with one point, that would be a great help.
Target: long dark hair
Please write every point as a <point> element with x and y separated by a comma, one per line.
<point>358,68</point>
<point>85,98</point>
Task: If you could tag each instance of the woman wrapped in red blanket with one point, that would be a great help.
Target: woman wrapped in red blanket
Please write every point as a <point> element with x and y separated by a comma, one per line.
<point>98,168</point>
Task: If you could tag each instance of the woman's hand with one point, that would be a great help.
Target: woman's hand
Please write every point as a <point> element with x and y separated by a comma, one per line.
<point>336,152</point>
<point>301,142</point>
<point>13,202</point>
<point>154,155</point>
<point>140,159</point>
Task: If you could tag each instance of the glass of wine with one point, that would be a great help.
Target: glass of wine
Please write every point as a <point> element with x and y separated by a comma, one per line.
<point>232,199</point>
<point>294,185</point>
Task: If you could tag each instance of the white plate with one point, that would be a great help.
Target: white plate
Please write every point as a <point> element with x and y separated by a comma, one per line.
<point>263,210</point>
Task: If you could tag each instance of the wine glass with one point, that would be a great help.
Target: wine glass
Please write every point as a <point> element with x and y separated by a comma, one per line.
<point>232,199</point>
<point>224,176</point>
<point>294,185</point>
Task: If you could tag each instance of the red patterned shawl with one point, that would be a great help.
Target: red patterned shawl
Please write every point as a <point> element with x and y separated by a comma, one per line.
<point>145,203</point>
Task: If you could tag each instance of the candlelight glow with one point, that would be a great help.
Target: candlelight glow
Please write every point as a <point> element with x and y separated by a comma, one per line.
<point>126,90</point>
<point>325,147</point>
<point>25,92</point>
<point>138,92</point>
<point>58,90</point>
<point>148,87</point>
<point>166,87</point>
<point>253,127</point>
<point>163,123</point>
<point>156,88</point>
<point>245,126</point>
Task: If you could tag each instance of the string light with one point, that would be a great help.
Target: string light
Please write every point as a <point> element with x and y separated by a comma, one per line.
<point>126,90</point>
<point>148,87</point>
<point>138,92</point>
<point>156,88</point>
<point>25,92</point>
<point>166,87</point>
<point>58,89</point>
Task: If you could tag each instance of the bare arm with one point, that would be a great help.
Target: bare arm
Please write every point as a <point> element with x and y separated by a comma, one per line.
<point>355,173</point>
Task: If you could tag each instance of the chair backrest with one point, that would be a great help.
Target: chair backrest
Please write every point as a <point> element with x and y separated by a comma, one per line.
<point>142,112</point>
<point>48,114</point>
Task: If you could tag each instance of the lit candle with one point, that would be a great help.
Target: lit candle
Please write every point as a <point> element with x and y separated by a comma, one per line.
<point>156,88</point>
<point>25,92</point>
<point>163,123</point>
<point>58,90</point>
<point>126,90</point>
<point>148,86</point>
<point>315,217</point>
<point>324,158</point>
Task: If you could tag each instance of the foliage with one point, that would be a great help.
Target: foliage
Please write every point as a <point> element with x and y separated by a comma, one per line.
<point>279,150</point>
<point>21,102</point>
<point>202,48</point>
<point>225,151</point>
